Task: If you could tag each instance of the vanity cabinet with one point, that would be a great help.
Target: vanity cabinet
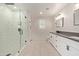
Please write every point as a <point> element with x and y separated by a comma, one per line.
<point>52,39</point>
<point>61,45</point>
<point>65,46</point>
<point>73,47</point>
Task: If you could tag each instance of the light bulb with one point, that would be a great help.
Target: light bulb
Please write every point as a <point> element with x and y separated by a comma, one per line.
<point>41,12</point>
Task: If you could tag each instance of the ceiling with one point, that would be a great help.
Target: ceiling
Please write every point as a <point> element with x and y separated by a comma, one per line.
<point>48,9</point>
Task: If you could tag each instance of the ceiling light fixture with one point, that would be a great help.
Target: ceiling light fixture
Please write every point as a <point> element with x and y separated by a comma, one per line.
<point>60,16</point>
<point>41,13</point>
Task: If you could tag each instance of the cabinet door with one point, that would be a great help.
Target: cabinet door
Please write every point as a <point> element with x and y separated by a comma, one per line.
<point>52,39</point>
<point>73,48</point>
<point>59,43</point>
<point>55,40</point>
<point>67,47</point>
<point>50,36</point>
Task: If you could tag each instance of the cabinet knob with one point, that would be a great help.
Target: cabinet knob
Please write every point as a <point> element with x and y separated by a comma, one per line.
<point>67,47</point>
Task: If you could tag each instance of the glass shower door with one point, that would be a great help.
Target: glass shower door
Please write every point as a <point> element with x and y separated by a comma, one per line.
<point>9,35</point>
<point>23,32</point>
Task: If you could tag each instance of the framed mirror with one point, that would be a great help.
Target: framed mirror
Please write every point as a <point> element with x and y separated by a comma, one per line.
<point>60,22</point>
<point>76,17</point>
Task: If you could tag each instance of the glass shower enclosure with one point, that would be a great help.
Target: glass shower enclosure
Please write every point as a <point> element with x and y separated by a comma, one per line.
<point>13,30</point>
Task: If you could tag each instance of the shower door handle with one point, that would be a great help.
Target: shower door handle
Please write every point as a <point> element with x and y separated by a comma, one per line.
<point>20,31</point>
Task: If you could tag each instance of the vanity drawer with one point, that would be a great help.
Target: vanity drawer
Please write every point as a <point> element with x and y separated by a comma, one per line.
<point>73,47</point>
<point>73,43</point>
<point>72,51</point>
<point>67,47</point>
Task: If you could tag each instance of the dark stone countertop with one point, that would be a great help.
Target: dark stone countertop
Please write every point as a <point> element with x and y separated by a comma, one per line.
<point>66,35</point>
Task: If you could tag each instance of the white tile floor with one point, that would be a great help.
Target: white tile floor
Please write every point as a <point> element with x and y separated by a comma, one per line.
<point>39,48</point>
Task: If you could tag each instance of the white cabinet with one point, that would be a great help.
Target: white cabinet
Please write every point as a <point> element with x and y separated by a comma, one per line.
<point>52,39</point>
<point>61,45</point>
<point>73,47</point>
<point>65,46</point>
<point>58,42</point>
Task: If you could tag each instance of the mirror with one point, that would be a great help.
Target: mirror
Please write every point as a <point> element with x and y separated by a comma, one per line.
<point>76,17</point>
<point>60,22</point>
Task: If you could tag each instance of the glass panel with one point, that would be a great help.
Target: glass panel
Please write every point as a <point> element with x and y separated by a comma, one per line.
<point>24,29</point>
<point>9,35</point>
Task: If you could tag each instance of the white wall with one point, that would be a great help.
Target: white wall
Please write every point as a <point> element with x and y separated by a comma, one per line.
<point>38,33</point>
<point>68,19</point>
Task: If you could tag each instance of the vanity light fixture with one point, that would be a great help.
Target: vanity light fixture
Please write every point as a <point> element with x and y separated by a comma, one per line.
<point>60,16</point>
<point>76,6</point>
